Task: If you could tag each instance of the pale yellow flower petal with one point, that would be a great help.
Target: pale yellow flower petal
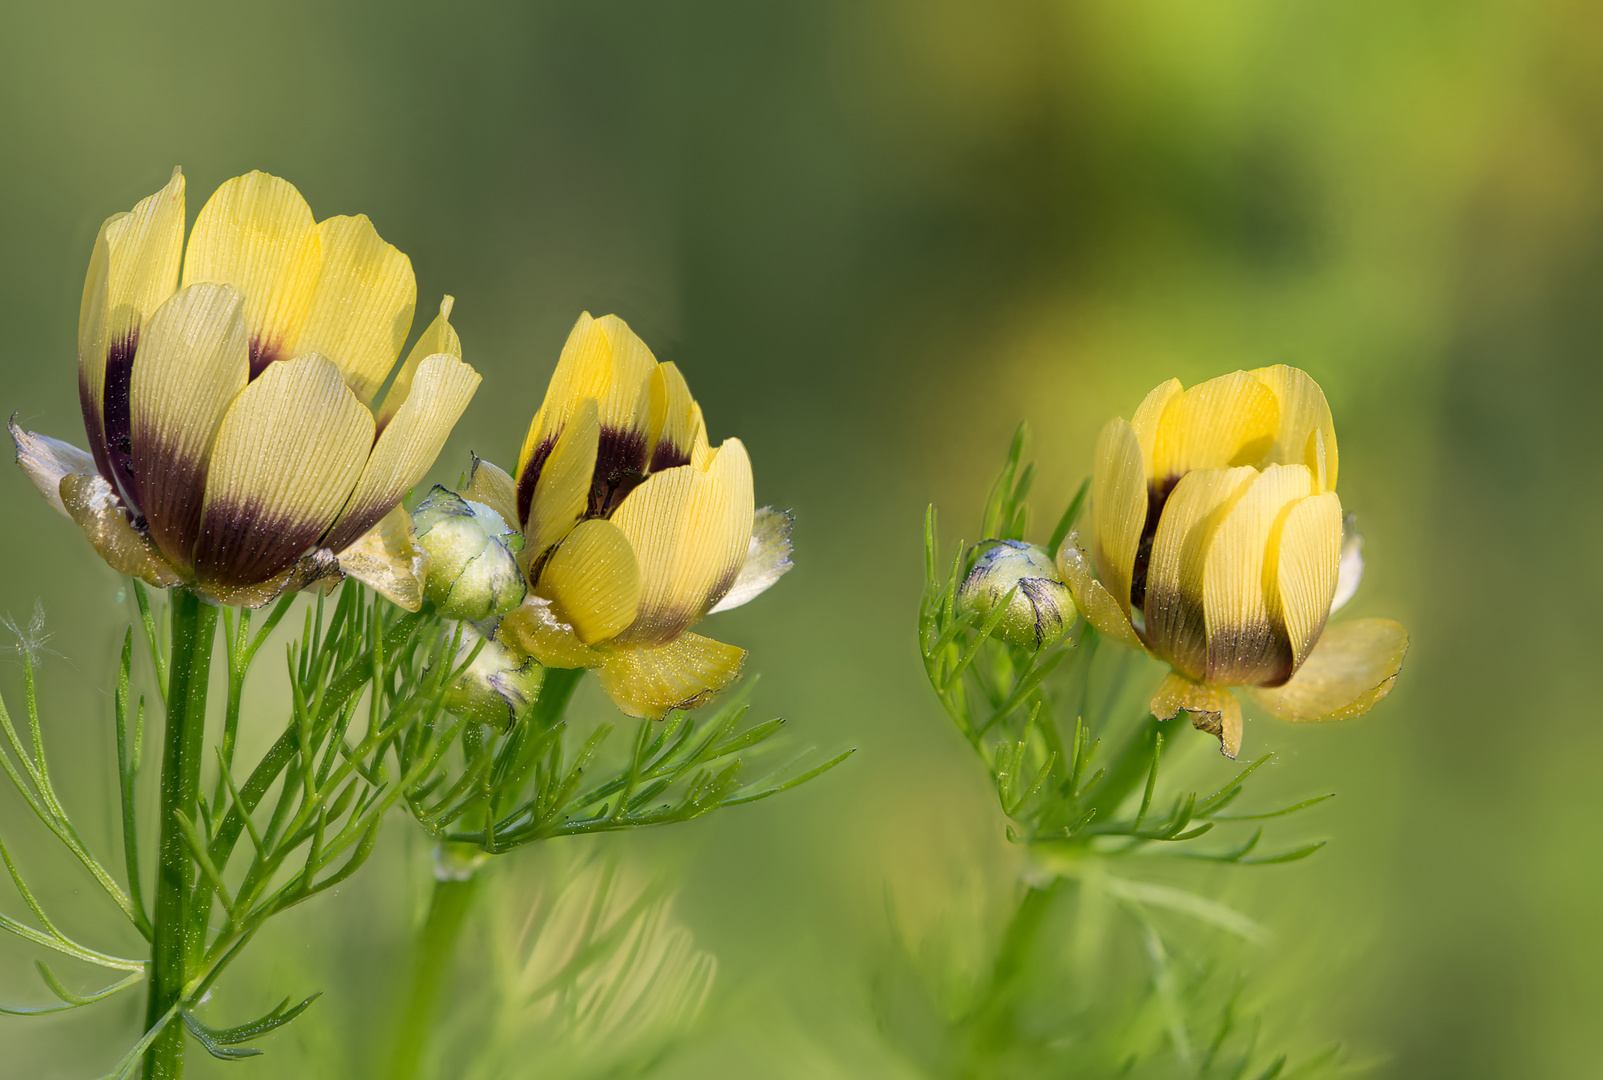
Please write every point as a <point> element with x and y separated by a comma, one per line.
<point>1231,420</point>
<point>441,389</point>
<point>256,233</point>
<point>561,494</point>
<point>649,682</point>
<point>1306,425</point>
<point>593,581</point>
<point>361,308</point>
<point>192,364</point>
<point>1305,551</point>
<point>1244,645</point>
<point>439,337</point>
<point>535,628</point>
<point>1149,412</point>
<point>1353,667</point>
<point>285,460</point>
<point>1119,506</point>
<point>1175,623</point>
<point>674,419</point>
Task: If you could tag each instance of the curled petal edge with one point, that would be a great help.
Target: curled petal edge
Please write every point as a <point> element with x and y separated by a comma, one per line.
<point>1213,709</point>
<point>47,461</point>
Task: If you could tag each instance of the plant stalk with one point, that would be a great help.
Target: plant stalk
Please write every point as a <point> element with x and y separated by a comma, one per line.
<point>448,909</point>
<point>177,935</point>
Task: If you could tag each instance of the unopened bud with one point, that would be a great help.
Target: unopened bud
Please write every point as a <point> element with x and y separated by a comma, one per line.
<point>499,686</point>
<point>1040,609</point>
<point>473,573</point>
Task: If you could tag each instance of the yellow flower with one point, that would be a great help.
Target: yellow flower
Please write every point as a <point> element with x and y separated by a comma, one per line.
<point>634,526</point>
<point>1218,539</point>
<point>233,447</point>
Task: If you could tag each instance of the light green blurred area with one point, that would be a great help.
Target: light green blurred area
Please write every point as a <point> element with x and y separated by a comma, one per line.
<point>875,234</point>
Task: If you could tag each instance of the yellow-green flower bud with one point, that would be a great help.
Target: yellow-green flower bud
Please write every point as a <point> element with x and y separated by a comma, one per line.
<point>499,687</point>
<point>1040,610</point>
<point>472,572</point>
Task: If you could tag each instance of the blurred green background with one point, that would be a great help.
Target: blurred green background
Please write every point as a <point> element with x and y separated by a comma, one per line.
<point>875,234</point>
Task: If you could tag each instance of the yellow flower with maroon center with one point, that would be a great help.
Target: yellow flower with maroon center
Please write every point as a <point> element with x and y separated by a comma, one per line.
<point>1218,537</point>
<point>635,526</point>
<point>227,392</point>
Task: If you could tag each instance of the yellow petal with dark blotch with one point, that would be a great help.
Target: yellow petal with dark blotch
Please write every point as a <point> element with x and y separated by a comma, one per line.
<point>1244,644</point>
<point>1213,709</point>
<point>562,493</point>
<point>1094,601</point>
<point>689,530</point>
<point>1118,506</point>
<point>535,628</point>
<point>1149,412</point>
<point>284,463</point>
<point>387,560</point>
<point>489,484</point>
<point>139,262</point>
<point>316,570</point>
<point>440,337</point>
<point>1353,667</point>
<point>92,319</point>
<point>1306,428</point>
<point>649,682</point>
<point>90,502</point>
<point>47,461</point>
<point>583,372</point>
<point>1230,420</point>
<point>441,389</point>
<point>768,557</point>
<point>361,309</point>
<point>674,418</point>
<point>1175,625</point>
<point>593,581</point>
<point>256,233</point>
<point>1306,549</point>
<point>193,362</point>
<point>1351,574</point>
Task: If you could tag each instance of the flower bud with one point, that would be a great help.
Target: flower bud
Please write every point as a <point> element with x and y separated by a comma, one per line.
<point>472,572</point>
<point>499,687</point>
<point>1041,608</point>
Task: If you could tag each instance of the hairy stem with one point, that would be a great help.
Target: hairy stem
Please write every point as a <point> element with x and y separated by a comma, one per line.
<point>448,909</point>
<point>176,942</point>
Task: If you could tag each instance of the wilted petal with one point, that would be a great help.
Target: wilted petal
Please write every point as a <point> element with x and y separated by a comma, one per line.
<point>1352,668</point>
<point>387,560</point>
<point>767,558</point>
<point>1213,709</point>
<point>47,461</point>
<point>90,502</point>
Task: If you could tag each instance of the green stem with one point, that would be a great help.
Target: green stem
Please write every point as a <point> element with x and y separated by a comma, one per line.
<point>176,943</point>
<point>994,1024</point>
<point>448,909</point>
